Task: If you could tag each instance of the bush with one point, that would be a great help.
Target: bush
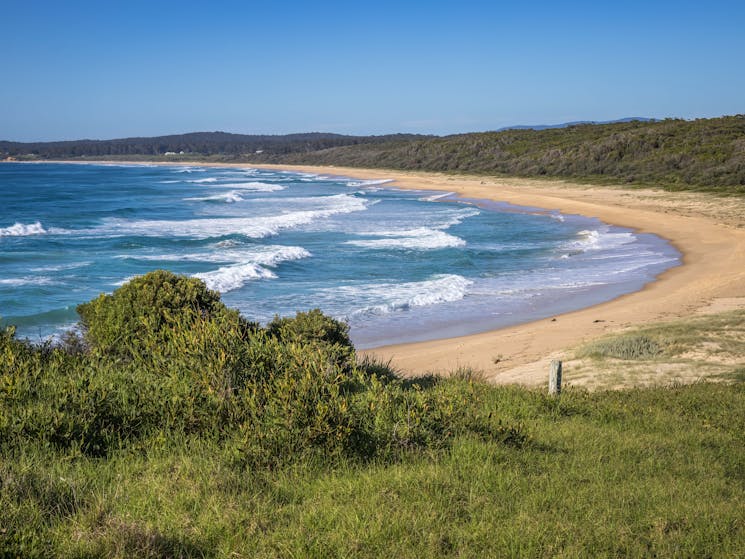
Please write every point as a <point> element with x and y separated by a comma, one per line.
<point>142,314</point>
<point>315,329</point>
<point>169,361</point>
<point>310,327</point>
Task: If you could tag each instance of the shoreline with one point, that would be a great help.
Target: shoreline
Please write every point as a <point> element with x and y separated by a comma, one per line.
<point>709,233</point>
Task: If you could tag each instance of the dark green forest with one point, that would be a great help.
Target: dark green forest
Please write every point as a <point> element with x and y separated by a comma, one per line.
<point>675,154</point>
<point>201,144</point>
<point>704,154</point>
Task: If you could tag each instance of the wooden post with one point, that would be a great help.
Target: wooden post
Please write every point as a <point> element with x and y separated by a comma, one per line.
<point>554,378</point>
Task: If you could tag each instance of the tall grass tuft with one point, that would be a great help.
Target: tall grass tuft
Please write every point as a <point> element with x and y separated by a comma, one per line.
<point>622,347</point>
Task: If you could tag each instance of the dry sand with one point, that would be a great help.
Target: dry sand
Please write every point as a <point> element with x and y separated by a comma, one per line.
<point>709,231</point>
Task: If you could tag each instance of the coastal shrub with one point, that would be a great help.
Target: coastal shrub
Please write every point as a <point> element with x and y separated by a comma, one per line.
<point>179,364</point>
<point>142,314</point>
<point>311,326</point>
<point>296,402</point>
<point>630,346</point>
<point>316,329</point>
<point>399,417</point>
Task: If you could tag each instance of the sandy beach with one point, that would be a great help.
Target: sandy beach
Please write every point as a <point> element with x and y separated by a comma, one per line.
<point>709,232</point>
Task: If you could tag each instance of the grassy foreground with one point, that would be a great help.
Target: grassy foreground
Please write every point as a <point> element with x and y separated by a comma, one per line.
<point>653,472</point>
<point>204,435</point>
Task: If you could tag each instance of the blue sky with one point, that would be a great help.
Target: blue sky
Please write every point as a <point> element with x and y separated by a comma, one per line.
<point>78,69</point>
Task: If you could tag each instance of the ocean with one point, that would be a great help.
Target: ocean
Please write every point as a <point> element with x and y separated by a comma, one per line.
<point>397,265</point>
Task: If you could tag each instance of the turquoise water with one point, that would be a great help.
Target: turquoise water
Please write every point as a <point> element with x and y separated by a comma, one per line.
<point>397,265</point>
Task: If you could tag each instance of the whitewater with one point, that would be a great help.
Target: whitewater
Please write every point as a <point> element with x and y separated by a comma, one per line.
<point>397,265</point>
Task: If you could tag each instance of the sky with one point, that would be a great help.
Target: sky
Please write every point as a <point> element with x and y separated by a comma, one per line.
<point>102,70</point>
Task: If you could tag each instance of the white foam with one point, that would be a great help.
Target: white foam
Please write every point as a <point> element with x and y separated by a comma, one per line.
<point>421,238</point>
<point>227,243</point>
<point>228,278</point>
<point>254,227</point>
<point>61,267</point>
<point>22,230</point>
<point>254,186</point>
<point>374,182</point>
<point>413,239</point>
<point>599,239</point>
<point>125,280</point>
<point>436,197</point>
<point>385,298</point>
<point>229,197</point>
<point>269,255</point>
<point>29,280</point>
<point>456,218</point>
<point>199,181</point>
<point>191,170</point>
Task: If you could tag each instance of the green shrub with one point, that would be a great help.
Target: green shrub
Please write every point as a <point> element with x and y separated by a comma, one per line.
<point>142,314</point>
<point>315,329</point>
<point>168,361</point>
<point>309,327</point>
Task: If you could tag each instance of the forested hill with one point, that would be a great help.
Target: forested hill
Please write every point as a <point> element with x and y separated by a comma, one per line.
<point>703,154</point>
<point>196,143</point>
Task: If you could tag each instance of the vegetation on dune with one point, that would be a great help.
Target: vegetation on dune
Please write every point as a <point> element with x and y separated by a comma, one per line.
<point>195,144</point>
<point>703,154</point>
<point>698,347</point>
<point>185,430</point>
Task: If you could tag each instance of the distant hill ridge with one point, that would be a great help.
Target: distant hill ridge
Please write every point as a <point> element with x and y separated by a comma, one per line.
<point>199,143</point>
<point>676,154</point>
<point>574,123</point>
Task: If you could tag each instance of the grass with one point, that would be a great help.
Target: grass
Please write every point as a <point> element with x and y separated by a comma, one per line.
<point>700,347</point>
<point>651,472</point>
<point>622,347</point>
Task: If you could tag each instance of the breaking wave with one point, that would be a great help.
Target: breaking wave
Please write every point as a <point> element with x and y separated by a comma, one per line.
<point>385,298</point>
<point>254,227</point>
<point>22,230</point>
<point>413,239</point>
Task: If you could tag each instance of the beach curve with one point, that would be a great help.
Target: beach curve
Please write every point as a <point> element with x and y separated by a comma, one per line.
<point>707,230</point>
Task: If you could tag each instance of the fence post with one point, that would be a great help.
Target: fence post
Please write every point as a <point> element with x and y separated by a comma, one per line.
<point>554,378</point>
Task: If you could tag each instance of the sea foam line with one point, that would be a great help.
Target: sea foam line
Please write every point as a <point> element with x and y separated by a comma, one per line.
<point>22,230</point>
<point>235,276</point>
<point>254,227</point>
<point>421,239</point>
<point>386,298</point>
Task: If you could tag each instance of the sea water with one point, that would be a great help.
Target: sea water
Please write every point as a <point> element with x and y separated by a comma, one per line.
<point>397,265</point>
